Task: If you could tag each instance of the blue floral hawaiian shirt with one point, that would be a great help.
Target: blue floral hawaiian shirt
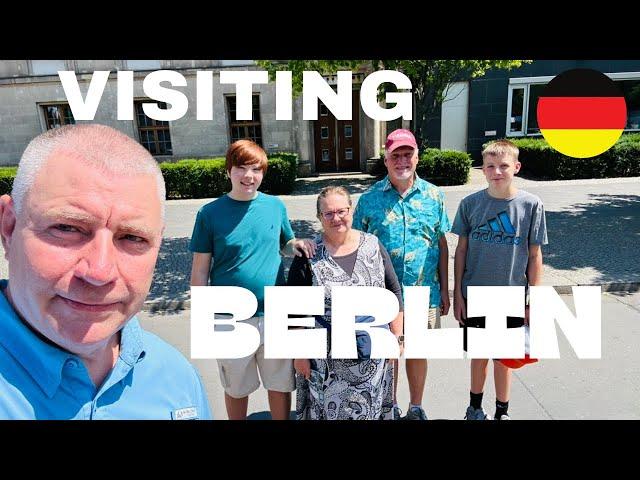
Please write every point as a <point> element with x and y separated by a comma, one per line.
<point>409,228</point>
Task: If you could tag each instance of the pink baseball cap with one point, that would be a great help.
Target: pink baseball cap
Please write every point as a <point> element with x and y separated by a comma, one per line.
<point>400,138</point>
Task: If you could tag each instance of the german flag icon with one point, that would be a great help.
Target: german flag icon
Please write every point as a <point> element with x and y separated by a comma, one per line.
<point>582,113</point>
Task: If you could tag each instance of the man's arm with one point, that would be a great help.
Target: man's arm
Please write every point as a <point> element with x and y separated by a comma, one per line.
<point>200,269</point>
<point>459,309</point>
<point>360,222</point>
<point>443,274</point>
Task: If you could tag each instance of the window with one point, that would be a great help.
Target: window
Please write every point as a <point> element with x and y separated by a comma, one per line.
<point>240,129</point>
<point>522,103</point>
<point>515,125</point>
<point>154,134</point>
<point>236,63</point>
<point>143,65</point>
<point>348,154</point>
<point>47,67</point>
<point>57,114</point>
<point>348,130</point>
<point>631,91</point>
<point>324,133</point>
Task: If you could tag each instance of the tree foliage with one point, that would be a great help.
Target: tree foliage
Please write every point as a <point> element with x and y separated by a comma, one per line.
<point>430,79</point>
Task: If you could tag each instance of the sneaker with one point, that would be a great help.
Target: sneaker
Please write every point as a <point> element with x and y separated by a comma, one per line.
<point>475,414</point>
<point>397,413</point>
<point>504,417</point>
<point>416,413</point>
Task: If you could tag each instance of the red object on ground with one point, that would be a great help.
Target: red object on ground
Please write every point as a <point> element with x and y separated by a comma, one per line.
<point>517,362</point>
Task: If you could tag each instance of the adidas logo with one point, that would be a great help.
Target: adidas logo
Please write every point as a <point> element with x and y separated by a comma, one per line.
<point>497,230</point>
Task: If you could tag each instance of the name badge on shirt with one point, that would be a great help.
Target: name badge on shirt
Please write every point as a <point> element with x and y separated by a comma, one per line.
<point>189,413</point>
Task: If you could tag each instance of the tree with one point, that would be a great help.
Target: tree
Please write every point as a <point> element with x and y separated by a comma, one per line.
<point>430,79</point>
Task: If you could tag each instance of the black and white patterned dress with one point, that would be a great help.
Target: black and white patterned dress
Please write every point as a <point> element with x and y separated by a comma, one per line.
<point>346,389</point>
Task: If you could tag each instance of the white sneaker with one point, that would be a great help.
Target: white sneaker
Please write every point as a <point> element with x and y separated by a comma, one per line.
<point>476,414</point>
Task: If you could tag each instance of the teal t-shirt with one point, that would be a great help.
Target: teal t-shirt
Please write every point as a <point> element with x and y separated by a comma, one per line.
<point>244,239</point>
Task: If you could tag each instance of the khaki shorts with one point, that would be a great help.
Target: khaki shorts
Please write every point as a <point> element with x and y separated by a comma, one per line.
<point>239,376</point>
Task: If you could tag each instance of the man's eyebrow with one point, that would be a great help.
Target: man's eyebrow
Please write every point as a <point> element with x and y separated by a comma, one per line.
<point>140,230</point>
<point>69,214</point>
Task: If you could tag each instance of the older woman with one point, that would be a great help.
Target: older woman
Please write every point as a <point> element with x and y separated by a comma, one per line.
<point>344,389</point>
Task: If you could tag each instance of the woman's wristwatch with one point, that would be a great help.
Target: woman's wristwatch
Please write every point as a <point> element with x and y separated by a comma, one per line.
<point>400,339</point>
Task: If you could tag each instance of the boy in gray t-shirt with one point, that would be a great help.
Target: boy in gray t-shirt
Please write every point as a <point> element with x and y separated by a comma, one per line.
<point>501,230</point>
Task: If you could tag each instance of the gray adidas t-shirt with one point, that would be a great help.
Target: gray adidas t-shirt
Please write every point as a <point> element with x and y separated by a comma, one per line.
<point>500,232</point>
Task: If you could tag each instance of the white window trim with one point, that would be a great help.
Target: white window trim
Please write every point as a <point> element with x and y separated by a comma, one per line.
<point>525,109</point>
<point>526,82</point>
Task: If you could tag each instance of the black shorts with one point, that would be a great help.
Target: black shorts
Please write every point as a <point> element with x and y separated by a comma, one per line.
<point>479,322</point>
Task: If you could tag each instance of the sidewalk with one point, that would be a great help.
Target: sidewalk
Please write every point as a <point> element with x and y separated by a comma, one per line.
<point>593,225</point>
<point>567,388</point>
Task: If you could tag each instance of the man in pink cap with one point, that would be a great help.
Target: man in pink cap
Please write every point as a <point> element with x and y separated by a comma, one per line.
<point>408,215</point>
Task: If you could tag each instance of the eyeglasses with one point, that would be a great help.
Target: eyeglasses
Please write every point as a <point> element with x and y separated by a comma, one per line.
<point>343,212</point>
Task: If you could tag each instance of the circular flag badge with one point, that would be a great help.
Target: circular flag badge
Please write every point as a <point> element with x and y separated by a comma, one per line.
<point>582,113</point>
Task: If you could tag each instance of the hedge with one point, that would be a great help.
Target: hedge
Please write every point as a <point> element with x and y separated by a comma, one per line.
<point>440,167</point>
<point>444,167</point>
<point>281,174</point>
<point>7,174</point>
<point>205,178</point>
<point>208,178</point>
<point>540,160</point>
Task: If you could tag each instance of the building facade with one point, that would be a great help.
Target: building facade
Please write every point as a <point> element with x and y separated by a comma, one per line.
<point>32,100</point>
<point>503,103</point>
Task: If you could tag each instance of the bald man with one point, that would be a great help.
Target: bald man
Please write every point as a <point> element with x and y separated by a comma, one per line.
<point>81,233</point>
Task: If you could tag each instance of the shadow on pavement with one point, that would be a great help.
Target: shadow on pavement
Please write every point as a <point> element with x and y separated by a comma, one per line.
<point>603,234</point>
<point>313,185</point>
<point>172,275</point>
<point>170,287</point>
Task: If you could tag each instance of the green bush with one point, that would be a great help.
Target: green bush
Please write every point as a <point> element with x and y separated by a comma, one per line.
<point>444,167</point>
<point>281,174</point>
<point>207,178</point>
<point>440,167</point>
<point>7,174</point>
<point>195,178</point>
<point>540,160</point>
<point>627,159</point>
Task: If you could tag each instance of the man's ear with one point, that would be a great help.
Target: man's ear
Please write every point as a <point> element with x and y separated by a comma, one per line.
<point>7,221</point>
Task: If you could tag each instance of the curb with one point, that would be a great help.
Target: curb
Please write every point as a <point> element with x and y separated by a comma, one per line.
<point>628,287</point>
<point>158,306</point>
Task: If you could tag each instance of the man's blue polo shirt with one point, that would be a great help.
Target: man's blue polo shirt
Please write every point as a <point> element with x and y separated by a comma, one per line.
<point>150,380</point>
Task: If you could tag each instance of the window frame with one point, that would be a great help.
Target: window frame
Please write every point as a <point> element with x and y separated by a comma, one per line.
<point>45,117</point>
<point>526,83</point>
<point>244,124</point>
<point>155,127</point>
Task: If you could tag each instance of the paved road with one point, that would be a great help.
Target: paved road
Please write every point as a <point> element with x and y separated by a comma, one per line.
<point>593,225</point>
<point>565,388</point>
<point>594,230</point>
